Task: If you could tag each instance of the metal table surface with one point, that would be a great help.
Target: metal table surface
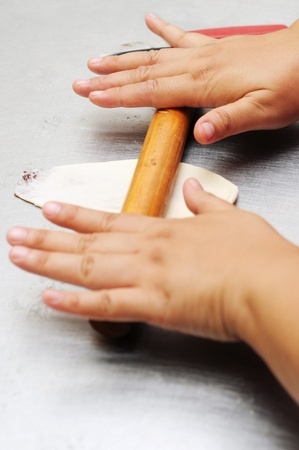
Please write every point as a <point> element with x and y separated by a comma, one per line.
<point>61,385</point>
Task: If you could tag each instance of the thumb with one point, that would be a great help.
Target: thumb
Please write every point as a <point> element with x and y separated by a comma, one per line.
<point>200,201</point>
<point>175,36</point>
<point>243,115</point>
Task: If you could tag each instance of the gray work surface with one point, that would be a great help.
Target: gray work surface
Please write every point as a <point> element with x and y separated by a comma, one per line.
<point>62,386</point>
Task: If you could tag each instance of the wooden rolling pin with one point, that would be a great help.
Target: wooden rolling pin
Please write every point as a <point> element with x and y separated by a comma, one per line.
<point>153,179</point>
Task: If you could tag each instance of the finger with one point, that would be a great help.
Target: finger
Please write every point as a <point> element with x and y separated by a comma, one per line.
<point>200,201</point>
<point>128,61</point>
<point>86,220</point>
<point>88,270</point>
<point>129,304</point>
<point>136,75</point>
<point>252,112</point>
<point>167,92</point>
<point>175,36</point>
<point>65,242</point>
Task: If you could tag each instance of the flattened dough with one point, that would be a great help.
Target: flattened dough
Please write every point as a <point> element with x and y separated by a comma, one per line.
<point>104,185</point>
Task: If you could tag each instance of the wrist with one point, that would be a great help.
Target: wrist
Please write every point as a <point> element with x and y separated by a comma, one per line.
<point>273,292</point>
<point>269,320</point>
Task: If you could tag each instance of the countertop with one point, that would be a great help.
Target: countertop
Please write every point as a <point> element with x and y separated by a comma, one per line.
<point>62,386</point>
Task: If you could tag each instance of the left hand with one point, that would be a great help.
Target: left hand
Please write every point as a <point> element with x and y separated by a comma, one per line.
<point>180,274</point>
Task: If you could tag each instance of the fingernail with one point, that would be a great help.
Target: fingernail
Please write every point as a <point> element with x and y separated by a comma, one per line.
<point>51,209</point>
<point>151,16</point>
<point>208,129</point>
<point>52,297</point>
<point>17,235</point>
<point>18,254</point>
<point>195,183</point>
<point>97,94</point>
<point>82,83</point>
<point>95,61</point>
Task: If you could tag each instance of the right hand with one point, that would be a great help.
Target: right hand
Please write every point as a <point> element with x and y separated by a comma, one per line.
<point>251,82</point>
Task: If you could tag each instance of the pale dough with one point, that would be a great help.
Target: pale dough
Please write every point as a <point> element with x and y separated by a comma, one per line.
<point>103,186</point>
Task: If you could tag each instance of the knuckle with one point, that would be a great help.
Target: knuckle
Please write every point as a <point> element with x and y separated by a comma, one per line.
<point>104,303</point>
<point>74,302</point>
<point>85,242</point>
<point>156,253</point>
<point>120,94</point>
<point>158,242</point>
<point>107,222</point>
<point>71,213</point>
<point>142,73</point>
<point>153,56</point>
<point>86,268</point>
<point>98,82</point>
<point>38,238</point>
<point>152,91</point>
<point>42,260</point>
<point>102,81</point>
<point>224,121</point>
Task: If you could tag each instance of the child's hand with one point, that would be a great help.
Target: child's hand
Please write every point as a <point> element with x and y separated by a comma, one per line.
<point>193,275</point>
<point>252,82</point>
<point>224,274</point>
